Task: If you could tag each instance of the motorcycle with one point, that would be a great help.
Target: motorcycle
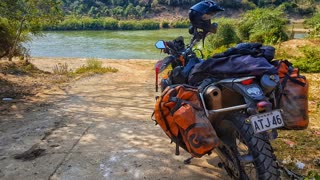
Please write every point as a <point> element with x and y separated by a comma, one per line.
<point>242,110</point>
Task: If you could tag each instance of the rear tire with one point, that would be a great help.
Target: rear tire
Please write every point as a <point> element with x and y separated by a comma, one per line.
<point>245,155</point>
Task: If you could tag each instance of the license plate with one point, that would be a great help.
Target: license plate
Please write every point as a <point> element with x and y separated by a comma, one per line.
<point>266,121</point>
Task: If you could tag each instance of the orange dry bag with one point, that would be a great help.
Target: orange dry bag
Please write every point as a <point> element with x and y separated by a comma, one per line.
<point>180,114</point>
<point>293,99</point>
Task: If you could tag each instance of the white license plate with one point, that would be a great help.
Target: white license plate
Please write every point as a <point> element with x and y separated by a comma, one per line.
<point>266,121</point>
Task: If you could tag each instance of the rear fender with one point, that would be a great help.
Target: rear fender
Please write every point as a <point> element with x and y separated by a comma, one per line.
<point>250,92</point>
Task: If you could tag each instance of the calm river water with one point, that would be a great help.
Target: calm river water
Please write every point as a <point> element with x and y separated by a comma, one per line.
<point>103,44</point>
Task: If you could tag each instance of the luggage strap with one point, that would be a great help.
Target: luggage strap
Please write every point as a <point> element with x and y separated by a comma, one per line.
<point>290,173</point>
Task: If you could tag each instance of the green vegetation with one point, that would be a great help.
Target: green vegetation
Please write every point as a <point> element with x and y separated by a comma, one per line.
<point>267,26</point>
<point>225,37</point>
<point>262,21</point>
<point>165,24</point>
<point>263,25</point>
<point>61,69</point>
<point>120,9</point>
<point>94,66</point>
<point>19,18</point>
<point>183,23</point>
<point>7,39</point>
<point>84,23</point>
<point>310,61</point>
<point>138,25</point>
<point>314,24</point>
<point>19,67</point>
<point>108,23</point>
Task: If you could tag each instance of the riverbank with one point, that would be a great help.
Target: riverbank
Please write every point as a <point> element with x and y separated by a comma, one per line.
<point>25,84</point>
<point>95,127</point>
<point>99,127</point>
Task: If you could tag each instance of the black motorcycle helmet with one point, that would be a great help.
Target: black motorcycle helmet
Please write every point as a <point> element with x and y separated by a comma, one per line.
<point>201,13</point>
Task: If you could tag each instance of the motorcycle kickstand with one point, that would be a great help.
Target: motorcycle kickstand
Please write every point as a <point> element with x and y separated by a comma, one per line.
<point>188,161</point>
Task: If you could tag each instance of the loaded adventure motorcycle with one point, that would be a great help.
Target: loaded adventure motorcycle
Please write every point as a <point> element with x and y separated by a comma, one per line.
<point>232,103</point>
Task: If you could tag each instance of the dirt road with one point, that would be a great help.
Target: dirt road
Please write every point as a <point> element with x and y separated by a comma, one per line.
<point>97,127</point>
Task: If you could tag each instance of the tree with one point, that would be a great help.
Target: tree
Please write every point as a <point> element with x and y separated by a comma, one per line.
<point>313,23</point>
<point>130,11</point>
<point>117,12</point>
<point>28,16</point>
<point>225,37</point>
<point>264,25</point>
<point>6,37</point>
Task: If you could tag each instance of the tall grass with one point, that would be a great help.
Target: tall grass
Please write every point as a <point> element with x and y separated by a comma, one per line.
<point>128,25</point>
<point>94,66</point>
<point>165,24</point>
<point>183,23</point>
<point>139,25</point>
<point>85,23</point>
<point>61,69</point>
<point>88,23</point>
<point>110,24</point>
<point>149,24</point>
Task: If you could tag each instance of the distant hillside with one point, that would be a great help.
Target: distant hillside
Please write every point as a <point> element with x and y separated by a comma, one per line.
<point>138,9</point>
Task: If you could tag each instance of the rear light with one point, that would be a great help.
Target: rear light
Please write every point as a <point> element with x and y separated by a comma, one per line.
<point>247,82</point>
<point>263,106</point>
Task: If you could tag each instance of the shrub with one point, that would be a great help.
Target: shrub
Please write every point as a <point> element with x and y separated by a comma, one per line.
<point>149,24</point>
<point>224,38</point>
<point>7,38</point>
<point>92,24</point>
<point>94,66</point>
<point>110,24</point>
<point>128,25</point>
<point>184,23</point>
<point>70,23</point>
<point>304,11</point>
<point>209,52</point>
<point>248,5</point>
<point>165,24</point>
<point>314,24</point>
<point>263,25</point>
<point>310,61</point>
<point>289,7</point>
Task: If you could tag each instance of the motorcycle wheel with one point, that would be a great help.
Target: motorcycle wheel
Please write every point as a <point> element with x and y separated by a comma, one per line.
<point>245,155</point>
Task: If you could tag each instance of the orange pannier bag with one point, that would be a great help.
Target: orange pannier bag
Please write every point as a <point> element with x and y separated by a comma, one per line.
<point>293,98</point>
<point>180,114</point>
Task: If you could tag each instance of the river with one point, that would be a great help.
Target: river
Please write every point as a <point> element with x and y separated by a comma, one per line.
<point>104,44</point>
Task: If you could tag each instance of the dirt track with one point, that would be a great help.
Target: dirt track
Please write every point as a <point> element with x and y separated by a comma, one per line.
<point>97,127</point>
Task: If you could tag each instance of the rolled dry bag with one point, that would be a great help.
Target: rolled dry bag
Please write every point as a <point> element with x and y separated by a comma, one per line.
<point>293,99</point>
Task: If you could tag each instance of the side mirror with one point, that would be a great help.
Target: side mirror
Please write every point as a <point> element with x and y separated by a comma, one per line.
<point>213,28</point>
<point>160,44</point>
<point>191,30</point>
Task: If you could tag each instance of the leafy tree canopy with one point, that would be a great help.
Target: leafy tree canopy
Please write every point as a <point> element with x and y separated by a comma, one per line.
<point>265,25</point>
<point>25,16</point>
